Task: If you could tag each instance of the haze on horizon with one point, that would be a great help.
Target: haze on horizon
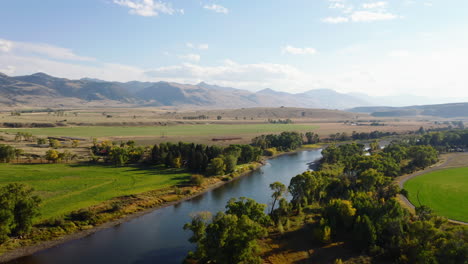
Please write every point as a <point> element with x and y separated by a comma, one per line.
<point>352,46</point>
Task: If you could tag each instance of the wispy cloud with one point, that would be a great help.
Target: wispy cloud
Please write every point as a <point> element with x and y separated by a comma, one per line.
<point>335,20</point>
<point>190,57</point>
<point>366,12</point>
<point>298,51</point>
<point>148,8</point>
<point>217,8</point>
<point>202,46</point>
<point>369,16</point>
<point>40,49</point>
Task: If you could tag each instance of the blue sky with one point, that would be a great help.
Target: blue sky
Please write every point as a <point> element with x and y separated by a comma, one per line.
<point>372,46</point>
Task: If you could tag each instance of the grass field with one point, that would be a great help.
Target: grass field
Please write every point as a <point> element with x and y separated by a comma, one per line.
<point>176,130</point>
<point>65,188</point>
<point>445,191</point>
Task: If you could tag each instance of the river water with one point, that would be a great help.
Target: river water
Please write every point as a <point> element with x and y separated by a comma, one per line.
<point>158,237</point>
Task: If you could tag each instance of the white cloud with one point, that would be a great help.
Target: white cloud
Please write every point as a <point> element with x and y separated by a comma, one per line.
<point>5,45</point>
<point>373,5</point>
<point>438,72</point>
<point>190,57</point>
<point>335,20</point>
<point>369,16</point>
<point>195,46</point>
<point>8,70</point>
<point>230,73</point>
<point>298,51</point>
<point>217,8</point>
<point>366,12</point>
<point>40,49</point>
<point>148,8</point>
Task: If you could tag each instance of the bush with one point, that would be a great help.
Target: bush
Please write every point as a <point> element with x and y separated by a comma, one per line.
<point>270,152</point>
<point>83,215</point>
<point>197,179</point>
<point>54,222</point>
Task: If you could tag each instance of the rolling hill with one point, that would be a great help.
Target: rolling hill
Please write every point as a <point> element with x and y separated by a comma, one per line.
<point>452,110</point>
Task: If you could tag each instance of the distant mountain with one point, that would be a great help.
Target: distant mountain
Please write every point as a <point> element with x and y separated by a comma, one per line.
<point>451,110</point>
<point>39,85</point>
<point>83,89</point>
<point>41,89</point>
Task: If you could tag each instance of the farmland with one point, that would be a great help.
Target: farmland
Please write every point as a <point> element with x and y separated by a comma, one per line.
<point>444,191</point>
<point>64,187</point>
<point>175,130</point>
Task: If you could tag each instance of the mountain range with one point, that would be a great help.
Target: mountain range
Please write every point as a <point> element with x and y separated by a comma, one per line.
<point>40,90</point>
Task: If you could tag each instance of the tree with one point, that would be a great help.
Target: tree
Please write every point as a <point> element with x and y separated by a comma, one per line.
<point>54,143</point>
<point>7,153</point>
<point>52,155</point>
<point>219,117</point>
<point>364,233</point>
<point>230,162</point>
<point>119,156</point>
<point>339,213</point>
<point>279,190</point>
<point>231,236</point>
<point>217,167</point>
<point>75,143</point>
<point>18,208</point>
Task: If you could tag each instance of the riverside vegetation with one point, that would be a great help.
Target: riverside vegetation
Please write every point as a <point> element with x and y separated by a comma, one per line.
<point>352,197</point>
<point>119,179</point>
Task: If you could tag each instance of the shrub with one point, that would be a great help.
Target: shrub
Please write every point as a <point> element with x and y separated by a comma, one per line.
<point>270,152</point>
<point>197,179</point>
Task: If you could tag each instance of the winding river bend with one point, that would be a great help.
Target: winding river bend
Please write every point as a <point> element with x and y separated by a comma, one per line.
<point>158,237</point>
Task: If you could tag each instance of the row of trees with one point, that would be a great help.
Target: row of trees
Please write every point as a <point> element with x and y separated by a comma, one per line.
<point>286,141</point>
<point>199,158</point>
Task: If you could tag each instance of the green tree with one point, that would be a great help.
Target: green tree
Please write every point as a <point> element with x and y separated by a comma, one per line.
<point>229,237</point>
<point>217,167</point>
<point>230,162</point>
<point>279,190</point>
<point>18,208</point>
<point>7,153</point>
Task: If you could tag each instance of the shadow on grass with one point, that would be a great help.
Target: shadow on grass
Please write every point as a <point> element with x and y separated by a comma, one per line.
<point>147,169</point>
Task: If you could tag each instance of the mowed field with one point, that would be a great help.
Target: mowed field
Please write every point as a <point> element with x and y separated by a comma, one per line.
<point>67,187</point>
<point>444,191</point>
<point>171,130</point>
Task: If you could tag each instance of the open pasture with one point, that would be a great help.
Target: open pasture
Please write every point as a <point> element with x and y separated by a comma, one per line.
<point>444,191</point>
<point>173,130</point>
<point>64,187</point>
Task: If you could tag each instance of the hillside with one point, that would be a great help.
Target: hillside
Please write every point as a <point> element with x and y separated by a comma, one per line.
<point>40,89</point>
<point>440,110</point>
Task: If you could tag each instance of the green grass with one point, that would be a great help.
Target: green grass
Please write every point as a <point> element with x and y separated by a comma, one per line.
<point>176,130</point>
<point>445,191</point>
<point>65,188</point>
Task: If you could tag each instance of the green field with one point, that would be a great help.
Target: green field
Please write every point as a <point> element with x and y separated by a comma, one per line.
<point>445,191</point>
<point>175,130</point>
<point>65,188</point>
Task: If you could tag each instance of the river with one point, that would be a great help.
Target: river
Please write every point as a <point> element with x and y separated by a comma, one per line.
<point>158,237</point>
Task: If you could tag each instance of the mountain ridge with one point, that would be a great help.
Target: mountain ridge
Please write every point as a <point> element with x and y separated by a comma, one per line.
<point>162,93</point>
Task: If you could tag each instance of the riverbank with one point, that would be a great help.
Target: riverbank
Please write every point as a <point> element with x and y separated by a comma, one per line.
<point>140,205</point>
